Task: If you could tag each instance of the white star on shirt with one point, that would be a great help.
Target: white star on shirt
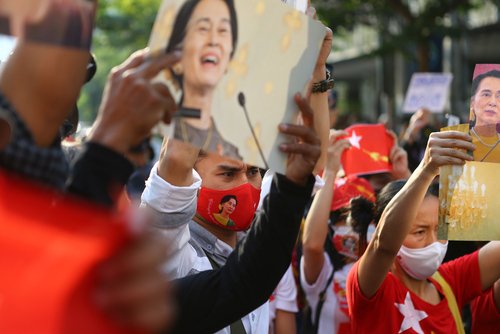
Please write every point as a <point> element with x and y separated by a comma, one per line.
<point>355,139</point>
<point>411,316</point>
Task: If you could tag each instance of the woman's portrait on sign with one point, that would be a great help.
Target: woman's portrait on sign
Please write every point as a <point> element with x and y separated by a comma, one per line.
<point>485,113</point>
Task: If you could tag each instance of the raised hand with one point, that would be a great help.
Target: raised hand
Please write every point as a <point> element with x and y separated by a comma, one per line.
<point>304,153</point>
<point>446,148</point>
<point>399,160</point>
<point>132,105</point>
<point>177,160</point>
<point>335,150</point>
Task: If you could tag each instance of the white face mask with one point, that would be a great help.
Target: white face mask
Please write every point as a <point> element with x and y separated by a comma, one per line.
<point>421,263</point>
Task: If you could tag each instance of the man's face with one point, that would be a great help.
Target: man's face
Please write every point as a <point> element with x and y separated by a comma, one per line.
<point>222,173</point>
<point>207,45</point>
<point>486,102</point>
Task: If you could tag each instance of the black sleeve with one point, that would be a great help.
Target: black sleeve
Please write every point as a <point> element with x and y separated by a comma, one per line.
<point>99,174</point>
<point>212,300</point>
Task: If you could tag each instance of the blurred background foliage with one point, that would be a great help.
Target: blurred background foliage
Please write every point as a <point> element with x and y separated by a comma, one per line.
<point>406,26</point>
<point>122,27</point>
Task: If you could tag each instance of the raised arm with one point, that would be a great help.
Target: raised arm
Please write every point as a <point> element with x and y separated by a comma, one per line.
<point>42,80</point>
<point>130,107</point>
<point>316,224</point>
<point>319,101</point>
<point>443,148</point>
<point>24,82</point>
<point>399,160</point>
<point>211,300</point>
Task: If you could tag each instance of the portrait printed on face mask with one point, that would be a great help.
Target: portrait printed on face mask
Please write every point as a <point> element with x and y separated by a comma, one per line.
<point>227,206</point>
<point>231,209</point>
<point>345,241</point>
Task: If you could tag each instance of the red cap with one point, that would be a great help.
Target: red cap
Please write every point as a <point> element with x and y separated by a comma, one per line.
<point>483,68</point>
<point>350,187</point>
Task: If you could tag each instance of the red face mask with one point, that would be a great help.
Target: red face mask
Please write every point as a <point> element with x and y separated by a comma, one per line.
<point>232,209</point>
<point>345,241</point>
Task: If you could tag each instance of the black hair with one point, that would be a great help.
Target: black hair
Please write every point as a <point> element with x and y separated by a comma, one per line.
<point>227,198</point>
<point>390,190</point>
<point>182,19</point>
<point>338,260</point>
<point>475,86</point>
<point>477,80</point>
<point>360,211</point>
<point>361,214</point>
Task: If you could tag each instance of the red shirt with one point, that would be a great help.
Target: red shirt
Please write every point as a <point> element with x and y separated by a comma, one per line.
<point>395,309</point>
<point>485,315</point>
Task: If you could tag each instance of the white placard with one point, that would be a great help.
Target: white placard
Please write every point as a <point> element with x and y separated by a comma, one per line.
<point>7,44</point>
<point>428,90</point>
<point>276,51</point>
<point>300,5</point>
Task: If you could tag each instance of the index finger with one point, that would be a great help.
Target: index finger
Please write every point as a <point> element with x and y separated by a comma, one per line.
<point>153,65</point>
<point>135,59</point>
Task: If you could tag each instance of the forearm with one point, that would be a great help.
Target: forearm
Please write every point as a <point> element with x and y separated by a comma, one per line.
<point>24,82</point>
<point>170,205</point>
<point>319,103</point>
<point>397,217</point>
<point>99,174</point>
<point>316,229</point>
<point>489,264</point>
<point>177,160</point>
<point>210,301</point>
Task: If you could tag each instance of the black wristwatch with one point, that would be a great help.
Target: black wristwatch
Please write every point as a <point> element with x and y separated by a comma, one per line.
<point>324,85</point>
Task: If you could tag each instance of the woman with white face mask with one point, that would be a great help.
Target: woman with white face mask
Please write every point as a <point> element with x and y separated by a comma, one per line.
<point>399,284</point>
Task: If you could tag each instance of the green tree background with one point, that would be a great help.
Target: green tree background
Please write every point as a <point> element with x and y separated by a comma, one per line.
<point>405,26</point>
<point>122,26</point>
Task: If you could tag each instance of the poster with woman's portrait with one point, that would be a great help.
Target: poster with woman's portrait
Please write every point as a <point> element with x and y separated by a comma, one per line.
<point>468,201</point>
<point>484,118</point>
<point>242,62</point>
<point>468,208</point>
<point>67,23</point>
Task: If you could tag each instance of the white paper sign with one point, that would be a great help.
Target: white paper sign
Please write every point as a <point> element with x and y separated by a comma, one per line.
<point>7,44</point>
<point>428,90</point>
<point>300,5</point>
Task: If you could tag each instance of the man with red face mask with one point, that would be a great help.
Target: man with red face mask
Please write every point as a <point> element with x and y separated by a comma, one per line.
<point>198,241</point>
